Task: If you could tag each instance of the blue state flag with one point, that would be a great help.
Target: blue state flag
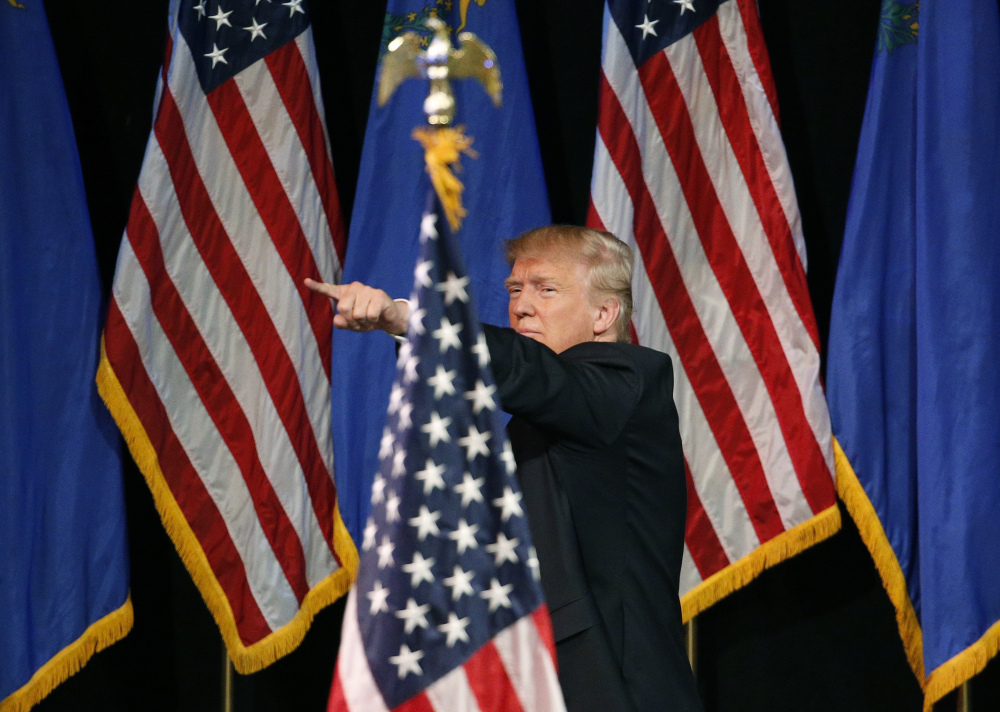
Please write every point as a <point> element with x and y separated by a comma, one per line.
<point>913,383</point>
<point>64,571</point>
<point>504,195</point>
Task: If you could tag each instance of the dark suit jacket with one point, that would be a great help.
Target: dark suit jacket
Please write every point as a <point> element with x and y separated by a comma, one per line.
<point>599,459</point>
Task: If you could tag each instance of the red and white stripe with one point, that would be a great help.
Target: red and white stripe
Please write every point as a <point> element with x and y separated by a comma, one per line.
<point>222,352</point>
<point>514,672</point>
<point>689,169</point>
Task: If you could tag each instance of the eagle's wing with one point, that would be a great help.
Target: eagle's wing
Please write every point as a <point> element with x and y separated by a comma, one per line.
<point>398,64</point>
<point>474,58</point>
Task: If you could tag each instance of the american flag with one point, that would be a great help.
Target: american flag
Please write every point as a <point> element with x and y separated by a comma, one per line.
<point>447,613</point>
<point>690,170</point>
<point>217,358</point>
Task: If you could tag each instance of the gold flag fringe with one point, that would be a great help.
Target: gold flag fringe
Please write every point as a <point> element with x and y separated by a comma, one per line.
<point>950,674</point>
<point>739,573</point>
<point>442,154</point>
<point>71,659</point>
<point>873,535</point>
<point>246,658</point>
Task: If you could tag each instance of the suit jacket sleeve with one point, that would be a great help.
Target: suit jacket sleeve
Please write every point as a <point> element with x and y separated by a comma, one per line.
<point>587,401</point>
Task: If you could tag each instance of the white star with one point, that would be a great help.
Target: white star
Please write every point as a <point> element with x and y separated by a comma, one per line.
<point>410,372</point>
<point>407,661</point>
<point>475,443</point>
<point>447,335</point>
<point>460,583</point>
<point>437,429</point>
<point>404,415</point>
<point>256,30</point>
<point>216,55</point>
<point>378,489</point>
<point>503,549</point>
<point>431,476</point>
<point>481,397</point>
<point>392,508</point>
<point>385,552</point>
<point>454,629</point>
<point>425,523</point>
<point>221,18</point>
<point>378,596</point>
<point>647,27</point>
<point>419,570</point>
<point>399,463</point>
<point>421,275</point>
<point>533,563</point>
<point>454,288</point>
<point>293,6</point>
<point>685,5</point>
<point>385,447</point>
<point>371,529</point>
<point>405,351</point>
<point>496,595</point>
<point>469,489</point>
<point>257,2</point>
<point>465,536</point>
<point>416,320</point>
<point>414,616</point>
<point>428,227</point>
<point>396,397</point>
<point>508,458</point>
<point>509,504</point>
<point>481,350</point>
<point>200,9</point>
<point>442,382</point>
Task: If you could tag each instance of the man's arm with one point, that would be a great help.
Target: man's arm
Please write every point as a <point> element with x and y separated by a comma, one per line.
<point>588,400</point>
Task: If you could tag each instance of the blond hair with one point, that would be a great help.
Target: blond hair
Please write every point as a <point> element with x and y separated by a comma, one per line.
<point>609,262</point>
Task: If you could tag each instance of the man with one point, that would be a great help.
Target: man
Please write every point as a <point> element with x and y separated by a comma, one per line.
<point>595,436</point>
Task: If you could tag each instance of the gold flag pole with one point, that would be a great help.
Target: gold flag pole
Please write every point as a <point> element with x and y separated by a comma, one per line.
<point>964,697</point>
<point>691,643</point>
<point>227,681</point>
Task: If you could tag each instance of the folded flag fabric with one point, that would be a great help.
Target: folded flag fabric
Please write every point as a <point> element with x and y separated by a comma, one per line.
<point>217,358</point>
<point>914,392</point>
<point>447,613</point>
<point>690,170</point>
<point>64,575</point>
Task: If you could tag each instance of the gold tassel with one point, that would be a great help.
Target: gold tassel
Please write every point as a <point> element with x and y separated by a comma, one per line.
<point>442,153</point>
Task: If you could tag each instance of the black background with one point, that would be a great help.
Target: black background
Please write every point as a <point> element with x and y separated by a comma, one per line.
<point>815,633</point>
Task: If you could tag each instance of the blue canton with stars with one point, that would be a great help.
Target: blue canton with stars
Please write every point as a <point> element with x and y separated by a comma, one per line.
<point>649,26</point>
<point>447,561</point>
<point>227,36</point>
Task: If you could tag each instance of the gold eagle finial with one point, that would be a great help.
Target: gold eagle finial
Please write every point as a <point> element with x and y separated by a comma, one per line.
<point>439,64</point>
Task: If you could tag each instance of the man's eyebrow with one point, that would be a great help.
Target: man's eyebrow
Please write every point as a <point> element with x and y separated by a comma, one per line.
<point>511,282</point>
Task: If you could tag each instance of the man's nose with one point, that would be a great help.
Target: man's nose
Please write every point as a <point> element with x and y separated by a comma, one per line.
<point>523,305</point>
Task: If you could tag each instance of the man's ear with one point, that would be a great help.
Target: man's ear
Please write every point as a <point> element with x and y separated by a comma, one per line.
<point>607,315</point>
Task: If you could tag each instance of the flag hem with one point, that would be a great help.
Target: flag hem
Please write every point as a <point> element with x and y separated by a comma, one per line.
<point>246,658</point>
<point>960,667</point>
<point>738,574</point>
<point>70,660</point>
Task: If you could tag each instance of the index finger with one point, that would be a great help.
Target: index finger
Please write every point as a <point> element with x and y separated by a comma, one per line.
<point>332,291</point>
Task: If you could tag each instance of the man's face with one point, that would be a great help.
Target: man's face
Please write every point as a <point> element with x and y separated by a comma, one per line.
<point>550,300</point>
